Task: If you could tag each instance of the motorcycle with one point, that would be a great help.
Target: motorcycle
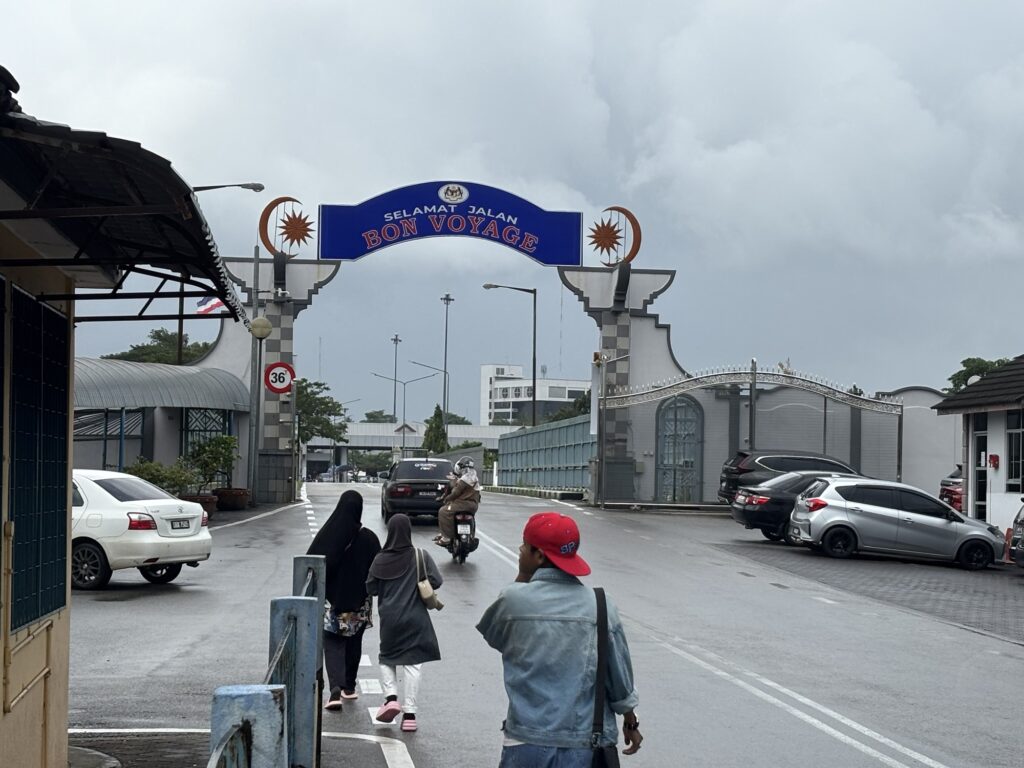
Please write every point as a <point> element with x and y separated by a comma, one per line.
<point>465,540</point>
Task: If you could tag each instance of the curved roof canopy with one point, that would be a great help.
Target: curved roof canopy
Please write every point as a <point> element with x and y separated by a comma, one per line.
<point>117,209</point>
<point>127,384</point>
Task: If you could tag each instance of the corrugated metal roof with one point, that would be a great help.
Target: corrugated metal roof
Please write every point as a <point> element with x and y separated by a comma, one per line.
<point>126,384</point>
<point>999,389</point>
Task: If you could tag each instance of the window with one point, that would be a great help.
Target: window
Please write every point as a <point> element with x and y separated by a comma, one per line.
<point>76,497</point>
<point>517,392</point>
<point>423,470</point>
<point>781,463</point>
<point>556,392</point>
<point>499,371</point>
<point>529,391</point>
<point>921,505</point>
<point>1013,451</point>
<point>820,464</point>
<point>132,489</point>
<point>504,393</point>
<point>574,393</point>
<point>874,496</point>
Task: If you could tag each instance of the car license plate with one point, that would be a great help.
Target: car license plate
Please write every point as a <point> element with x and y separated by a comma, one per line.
<point>463,528</point>
<point>177,525</point>
<point>427,493</point>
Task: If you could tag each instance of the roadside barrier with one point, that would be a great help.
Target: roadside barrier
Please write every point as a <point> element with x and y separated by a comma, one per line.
<point>277,724</point>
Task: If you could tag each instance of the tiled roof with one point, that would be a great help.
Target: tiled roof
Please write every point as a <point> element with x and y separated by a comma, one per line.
<point>1000,389</point>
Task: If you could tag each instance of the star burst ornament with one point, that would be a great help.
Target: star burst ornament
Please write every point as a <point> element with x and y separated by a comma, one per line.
<point>605,236</point>
<point>296,228</point>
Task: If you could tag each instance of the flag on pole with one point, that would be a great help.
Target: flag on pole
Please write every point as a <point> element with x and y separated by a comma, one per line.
<point>208,304</point>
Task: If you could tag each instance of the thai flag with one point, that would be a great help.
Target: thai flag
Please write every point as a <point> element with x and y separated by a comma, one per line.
<point>208,304</point>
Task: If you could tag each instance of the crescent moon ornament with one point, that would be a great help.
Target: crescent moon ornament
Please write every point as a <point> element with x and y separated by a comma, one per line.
<point>265,237</point>
<point>606,236</point>
<point>635,234</point>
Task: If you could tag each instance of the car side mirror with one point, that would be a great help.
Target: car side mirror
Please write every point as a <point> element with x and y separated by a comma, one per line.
<point>383,475</point>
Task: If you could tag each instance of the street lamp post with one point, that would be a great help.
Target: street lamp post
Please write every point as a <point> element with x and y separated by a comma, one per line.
<point>533,291</point>
<point>255,186</point>
<point>260,328</point>
<point>334,443</point>
<point>447,299</point>
<point>444,419</point>
<point>404,384</point>
<point>394,402</point>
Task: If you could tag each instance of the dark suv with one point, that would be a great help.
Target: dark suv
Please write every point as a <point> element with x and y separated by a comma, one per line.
<point>748,468</point>
<point>414,487</point>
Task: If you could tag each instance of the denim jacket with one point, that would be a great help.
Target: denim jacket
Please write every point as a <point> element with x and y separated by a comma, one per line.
<point>546,633</point>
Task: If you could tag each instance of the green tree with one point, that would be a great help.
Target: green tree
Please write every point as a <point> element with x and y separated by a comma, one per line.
<point>213,459</point>
<point>163,348</point>
<point>434,440</point>
<point>577,407</point>
<point>972,366</point>
<point>467,444</point>
<point>379,417</point>
<point>320,415</point>
<point>454,418</point>
<point>370,462</point>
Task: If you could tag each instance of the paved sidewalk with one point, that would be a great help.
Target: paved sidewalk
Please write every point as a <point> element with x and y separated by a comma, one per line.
<point>192,750</point>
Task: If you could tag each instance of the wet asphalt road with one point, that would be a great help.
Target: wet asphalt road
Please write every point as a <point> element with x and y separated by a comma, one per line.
<point>747,653</point>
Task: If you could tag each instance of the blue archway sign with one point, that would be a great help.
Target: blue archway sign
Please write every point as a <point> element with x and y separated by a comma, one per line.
<point>450,208</point>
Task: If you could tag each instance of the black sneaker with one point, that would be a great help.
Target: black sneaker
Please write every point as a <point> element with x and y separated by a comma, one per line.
<point>334,701</point>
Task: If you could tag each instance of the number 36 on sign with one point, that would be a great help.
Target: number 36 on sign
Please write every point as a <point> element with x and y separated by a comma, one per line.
<point>278,377</point>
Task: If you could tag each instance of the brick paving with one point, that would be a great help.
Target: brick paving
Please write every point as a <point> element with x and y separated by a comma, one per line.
<point>991,600</point>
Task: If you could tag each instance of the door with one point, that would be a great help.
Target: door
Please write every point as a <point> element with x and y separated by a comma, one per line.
<point>925,528</point>
<point>873,514</point>
<point>680,447</point>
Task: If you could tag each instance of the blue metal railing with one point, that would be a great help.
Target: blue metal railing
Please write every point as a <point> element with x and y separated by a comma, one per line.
<point>277,724</point>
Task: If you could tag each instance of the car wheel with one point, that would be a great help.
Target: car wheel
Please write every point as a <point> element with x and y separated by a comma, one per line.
<point>839,543</point>
<point>788,537</point>
<point>975,555</point>
<point>772,534</point>
<point>160,574</point>
<point>89,568</point>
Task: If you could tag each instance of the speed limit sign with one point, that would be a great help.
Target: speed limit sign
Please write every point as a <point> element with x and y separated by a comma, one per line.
<point>278,378</point>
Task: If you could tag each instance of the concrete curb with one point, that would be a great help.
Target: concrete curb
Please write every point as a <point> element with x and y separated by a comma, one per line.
<point>540,493</point>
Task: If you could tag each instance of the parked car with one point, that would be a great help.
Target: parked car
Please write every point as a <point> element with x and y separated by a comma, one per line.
<point>121,521</point>
<point>1017,540</point>
<point>414,487</point>
<point>951,488</point>
<point>842,516</point>
<point>749,468</point>
<point>767,506</point>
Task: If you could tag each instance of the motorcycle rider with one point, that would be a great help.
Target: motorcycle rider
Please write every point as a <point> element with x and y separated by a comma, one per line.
<point>463,495</point>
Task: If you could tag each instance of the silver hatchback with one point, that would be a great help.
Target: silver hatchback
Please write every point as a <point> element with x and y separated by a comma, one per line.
<point>846,515</point>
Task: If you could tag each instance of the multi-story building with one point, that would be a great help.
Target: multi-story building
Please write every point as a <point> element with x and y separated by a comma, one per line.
<point>506,396</point>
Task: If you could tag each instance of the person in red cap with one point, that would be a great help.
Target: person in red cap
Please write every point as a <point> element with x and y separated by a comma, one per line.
<point>544,626</point>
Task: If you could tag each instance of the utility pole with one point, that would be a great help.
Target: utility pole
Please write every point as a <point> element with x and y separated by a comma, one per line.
<point>394,402</point>
<point>447,299</point>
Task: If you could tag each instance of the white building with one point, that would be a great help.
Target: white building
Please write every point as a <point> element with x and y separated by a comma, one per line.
<point>505,394</point>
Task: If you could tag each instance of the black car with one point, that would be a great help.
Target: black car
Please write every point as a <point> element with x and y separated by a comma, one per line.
<point>414,487</point>
<point>748,468</point>
<point>767,506</point>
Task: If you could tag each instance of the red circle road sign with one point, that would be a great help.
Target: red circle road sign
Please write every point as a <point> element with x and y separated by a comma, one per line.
<point>278,377</point>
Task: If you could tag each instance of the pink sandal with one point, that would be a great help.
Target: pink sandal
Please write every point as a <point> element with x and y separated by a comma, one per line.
<point>388,712</point>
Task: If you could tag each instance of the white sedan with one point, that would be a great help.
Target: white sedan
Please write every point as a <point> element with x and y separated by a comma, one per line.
<point>121,521</point>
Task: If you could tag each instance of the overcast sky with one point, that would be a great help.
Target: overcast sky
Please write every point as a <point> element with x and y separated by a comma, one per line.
<point>837,184</point>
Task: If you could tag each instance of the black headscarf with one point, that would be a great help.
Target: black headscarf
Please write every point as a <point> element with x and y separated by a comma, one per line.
<point>349,549</point>
<point>398,554</point>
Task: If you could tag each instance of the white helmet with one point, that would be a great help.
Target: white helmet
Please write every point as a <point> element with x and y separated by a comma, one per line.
<point>463,464</point>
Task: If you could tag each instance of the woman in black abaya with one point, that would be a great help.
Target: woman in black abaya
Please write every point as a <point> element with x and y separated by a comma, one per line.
<point>349,549</point>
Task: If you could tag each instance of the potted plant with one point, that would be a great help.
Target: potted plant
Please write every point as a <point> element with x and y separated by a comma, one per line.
<point>214,458</point>
<point>176,478</point>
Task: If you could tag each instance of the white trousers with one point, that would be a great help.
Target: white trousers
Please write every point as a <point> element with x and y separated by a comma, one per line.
<point>389,682</point>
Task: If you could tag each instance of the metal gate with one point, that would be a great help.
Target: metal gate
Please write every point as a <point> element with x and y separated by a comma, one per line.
<point>680,450</point>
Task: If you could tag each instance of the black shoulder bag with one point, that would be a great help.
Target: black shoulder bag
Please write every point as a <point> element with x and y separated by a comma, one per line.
<point>604,757</point>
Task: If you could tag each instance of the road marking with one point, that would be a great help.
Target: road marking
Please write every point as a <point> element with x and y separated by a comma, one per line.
<point>395,753</point>
<point>255,517</point>
<point>790,709</point>
<point>370,686</point>
<point>825,600</point>
<point>364,661</point>
<point>499,550</point>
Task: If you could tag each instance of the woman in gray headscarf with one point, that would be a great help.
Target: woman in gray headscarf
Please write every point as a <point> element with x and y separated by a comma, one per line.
<point>406,634</point>
<point>349,549</point>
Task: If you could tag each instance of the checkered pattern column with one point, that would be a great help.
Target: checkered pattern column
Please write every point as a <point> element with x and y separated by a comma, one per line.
<point>277,413</point>
<point>615,343</point>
